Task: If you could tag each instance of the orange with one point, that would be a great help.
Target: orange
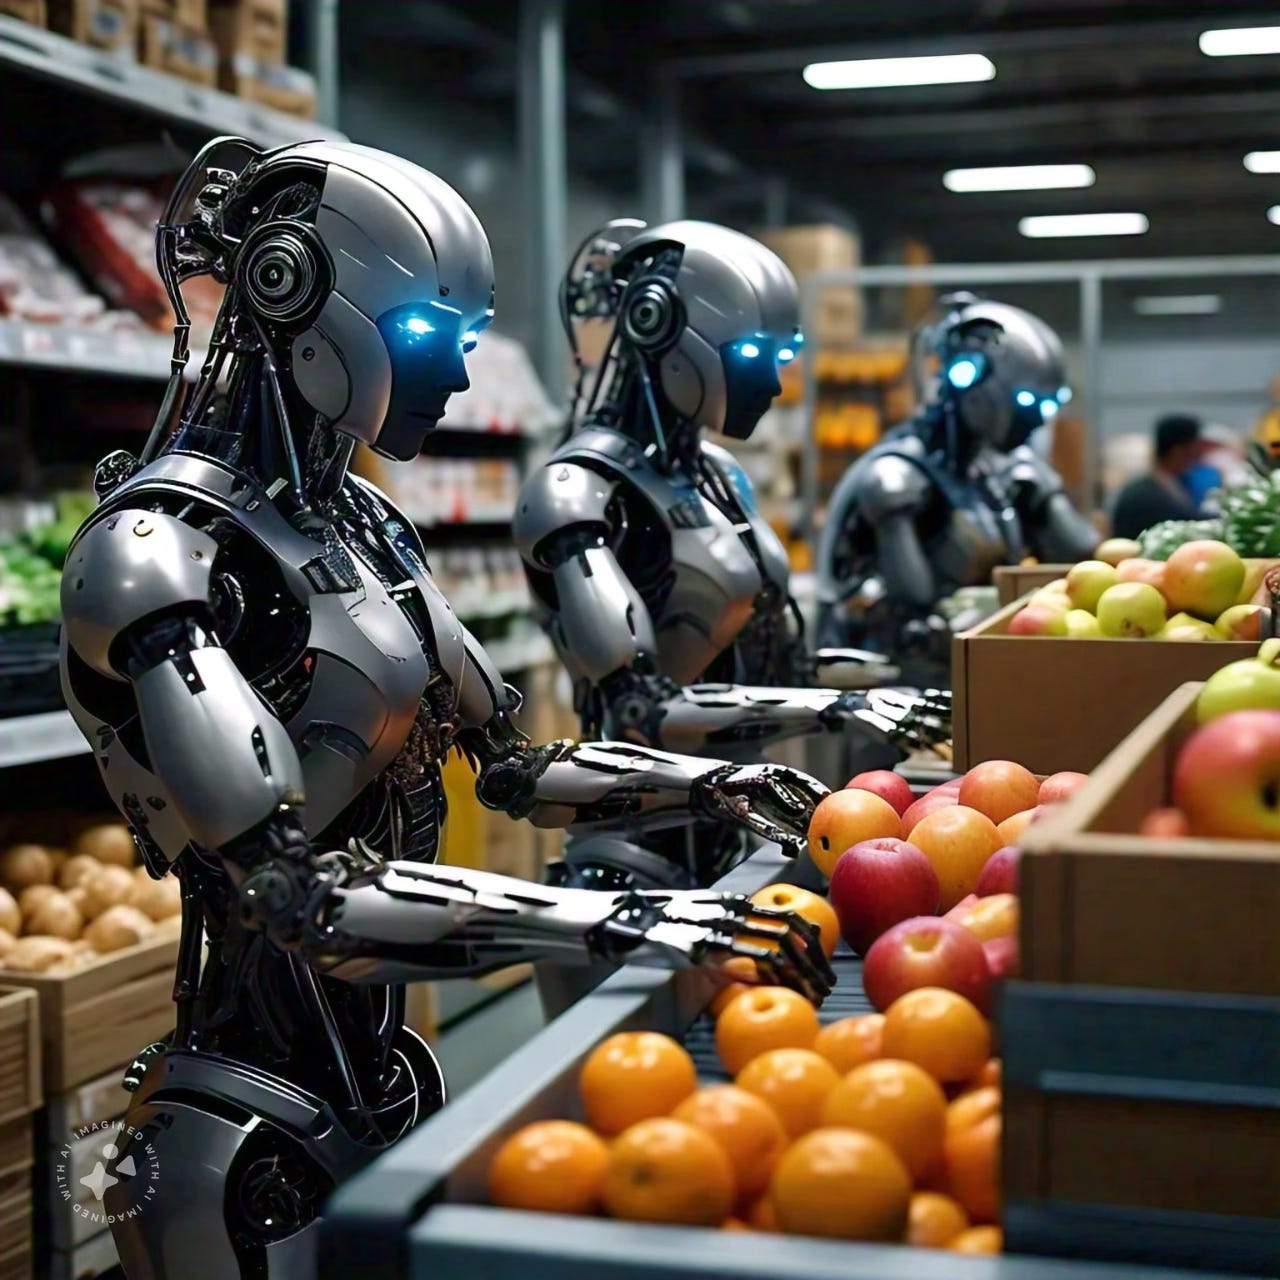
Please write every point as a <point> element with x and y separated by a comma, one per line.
<point>664,1170</point>
<point>842,1183</point>
<point>1011,830</point>
<point>972,1152</point>
<point>896,1102</point>
<point>794,1082</point>
<point>745,1126</point>
<point>934,1220</point>
<point>761,1216</point>
<point>989,1075</point>
<point>734,1224</point>
<point>761,1019</point>
<point>999,789</point>
<point>554,1166</point>
<point>634,1075</point>
<point>817,911</point>
<point>979,1240</point>
<point>851,1041</point>
<point>743,970</point>
<point>939,1031</point>
<point>957,841</point>
<point>846,818</point>
<point>992,917</point>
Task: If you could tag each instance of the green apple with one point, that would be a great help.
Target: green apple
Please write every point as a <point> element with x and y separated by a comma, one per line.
<point>1242,622</point>
<point>1254,572</point>
<point>1082,625</point>
<point>1087,581</point>
<point>1182,626</point>
<point>1253,684</point>
<point>1038,619</point>
<point>1203,578</point>
<point>1131,611</point>
<point>1113,550</point>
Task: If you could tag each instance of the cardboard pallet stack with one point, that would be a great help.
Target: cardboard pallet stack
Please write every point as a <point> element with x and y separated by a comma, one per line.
<point>252,40</point>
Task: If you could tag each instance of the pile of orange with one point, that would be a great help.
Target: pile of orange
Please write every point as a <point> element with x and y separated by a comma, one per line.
<point>880,1128</point>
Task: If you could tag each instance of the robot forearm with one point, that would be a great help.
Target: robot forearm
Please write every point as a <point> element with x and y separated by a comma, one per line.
<point>1064,534</point>
<point>902,564</point>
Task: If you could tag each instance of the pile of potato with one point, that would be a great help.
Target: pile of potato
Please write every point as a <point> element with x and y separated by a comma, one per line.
<point>62,909</point>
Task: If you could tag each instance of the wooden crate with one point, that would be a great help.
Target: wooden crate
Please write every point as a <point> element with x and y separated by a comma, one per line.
<point>95,1020</point>
<point>20,1091</point>
<point>16,1157</point>
<point>1142,1044</point>
<point>1013,581</point>
<point>1054,704</point>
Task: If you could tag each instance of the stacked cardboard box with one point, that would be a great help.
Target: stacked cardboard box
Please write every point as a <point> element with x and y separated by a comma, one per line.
<point>837,317</point>
<point>32,11</point>
<point>105,24</point>
<point>252,41</point>
<point>175,38</point>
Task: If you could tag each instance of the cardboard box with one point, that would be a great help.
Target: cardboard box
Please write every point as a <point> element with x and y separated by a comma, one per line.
<point>258,29</point>
<point>104,24</point>
<point>810,249</point>
<point>1013,581</point>
<point>32,11</point>
<point>181,51</point>
<point>1207,909</point>
<point>1054,704</point>
<point>273,85</point>
<point>186,13</point>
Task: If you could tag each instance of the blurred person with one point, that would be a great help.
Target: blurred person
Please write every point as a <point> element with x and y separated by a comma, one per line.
<point>1163,493</point>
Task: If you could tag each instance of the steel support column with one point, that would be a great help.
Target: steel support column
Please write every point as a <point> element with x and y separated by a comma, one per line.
<point>545,178</point>
<point>323,33</point>
<point>1091,345</point>
<point>662,156</point>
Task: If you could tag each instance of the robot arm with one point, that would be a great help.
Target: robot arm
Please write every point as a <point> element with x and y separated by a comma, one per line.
<point>1058,532</point>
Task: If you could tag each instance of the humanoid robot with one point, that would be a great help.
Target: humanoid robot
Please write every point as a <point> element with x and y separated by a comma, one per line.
<point>945,498</point>
<point>647,558</point>
<point>270,681</point>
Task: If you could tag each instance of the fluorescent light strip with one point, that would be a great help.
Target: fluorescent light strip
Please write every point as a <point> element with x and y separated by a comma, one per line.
<point>892,73</point>
<point>1263,162</point>
<point>1273,214</point>
<point>1237,42</point>
<point>1020,177</point>
<point>1179,304</point>
<point>1051,226</point>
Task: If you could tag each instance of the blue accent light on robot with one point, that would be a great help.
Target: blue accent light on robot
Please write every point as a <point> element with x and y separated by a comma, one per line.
<point>963,374</point>
<point>786,355</point>
<point>418,326</point>
<point>1025,398</point>
<point>750,350</point>
<point>469,340</point>
<point>1048,408</point>
<point>1064,395</point>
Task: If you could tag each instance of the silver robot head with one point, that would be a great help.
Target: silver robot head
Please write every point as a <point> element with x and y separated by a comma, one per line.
<point>710,313</point>
<point>366,277</point>
<point>1001,367</point>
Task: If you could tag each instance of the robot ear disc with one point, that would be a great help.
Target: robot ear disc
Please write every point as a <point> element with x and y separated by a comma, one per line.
<point>967,369</point>
<point>651,317</point>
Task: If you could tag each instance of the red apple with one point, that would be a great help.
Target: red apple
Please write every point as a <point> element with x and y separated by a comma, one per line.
<point>1040,619</point>
<point>1002,956</point>
<point>876,884</point>
<point>1165,824</point>
<point>961,907</point>
<point>888,785</point>
<point>1000,872</point>
<point>929,803</point>
<point>1061,786</point>
<point>926,952</point>
<point>1227,778</point>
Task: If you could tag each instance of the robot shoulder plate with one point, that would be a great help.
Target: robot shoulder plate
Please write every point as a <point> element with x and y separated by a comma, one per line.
<point>557,497</point>
<point>734,472</point>
<point>1031,473</point>
<point>889,483</point>
<point>126,566</point>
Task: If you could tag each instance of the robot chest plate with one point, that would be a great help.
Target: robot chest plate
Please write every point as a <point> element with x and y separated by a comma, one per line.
<point>970,545</point>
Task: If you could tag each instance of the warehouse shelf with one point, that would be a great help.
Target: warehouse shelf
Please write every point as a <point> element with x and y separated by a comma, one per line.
<point>52,735</point>
<point>77,66</point>
<point>120,353</point>
<point>486,519</point>
<point>519,653</point>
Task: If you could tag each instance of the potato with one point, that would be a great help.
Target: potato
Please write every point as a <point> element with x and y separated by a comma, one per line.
<point>109,842</point>
<point>7,941</point>
<point>56,916</point>
<point>77,869</point>
<point>31,897</point>
<point>107,887</point>
<point>118,927</point>
<point>58,859</point>
<point>38,955</point>
<point>156,899</point>
<point>22,865</point>
<point>169,927</point>
<point>10,913</point>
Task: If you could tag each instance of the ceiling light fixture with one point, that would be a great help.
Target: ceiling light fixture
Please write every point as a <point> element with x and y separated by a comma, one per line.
<point>1237,42</point>
<point>893,73</point>
<point>1273,214</point>
<point>1051,226</point>
<point>1263,162</point>
<point>1179,304</point>
<point>1019,177</point>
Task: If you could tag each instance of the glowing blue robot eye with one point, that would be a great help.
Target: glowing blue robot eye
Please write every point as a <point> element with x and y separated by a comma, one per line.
<point>798,340</point>
<point>750,350</point>
<point>786,355</point>
<point>1048,408</point>
<point>1064,395</point>
<point>418,326</point>
<point>469,340</point>
<point>963,374</point>
<point>1025,398</point>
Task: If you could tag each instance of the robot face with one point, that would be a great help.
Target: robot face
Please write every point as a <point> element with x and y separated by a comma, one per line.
<point>750,371</point>
<point>426,343</point>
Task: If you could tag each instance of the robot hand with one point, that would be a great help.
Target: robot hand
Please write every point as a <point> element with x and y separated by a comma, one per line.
<point>770,799</point>
<point>908,719</point>
<point>851,669</point>
<point>702,928</point>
